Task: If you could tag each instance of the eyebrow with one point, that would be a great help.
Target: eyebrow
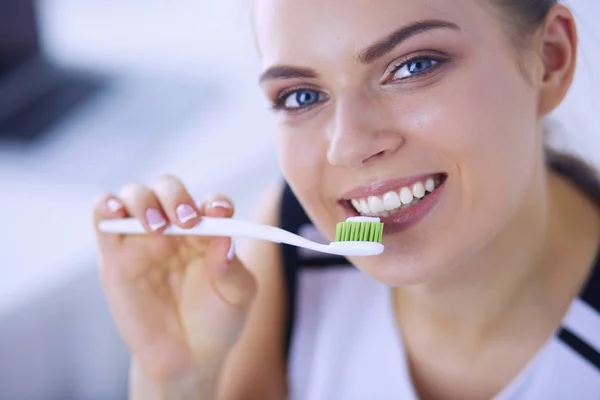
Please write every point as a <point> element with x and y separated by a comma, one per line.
<point>389,43</point>
<point>366,56</point>
<point>287,72</point>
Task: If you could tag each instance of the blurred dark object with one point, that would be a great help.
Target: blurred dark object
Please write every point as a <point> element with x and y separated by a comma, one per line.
<point>19,39</point>
<point>34,94</point>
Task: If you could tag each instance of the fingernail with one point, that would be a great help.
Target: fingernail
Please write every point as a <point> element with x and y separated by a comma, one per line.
<point>155,219</point>
<point>113,205</point>
<point>220,203</point>
<point>231,252</point>
<point>185,212</point>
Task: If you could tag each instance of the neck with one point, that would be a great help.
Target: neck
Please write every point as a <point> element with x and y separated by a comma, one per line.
<point>522,269</point>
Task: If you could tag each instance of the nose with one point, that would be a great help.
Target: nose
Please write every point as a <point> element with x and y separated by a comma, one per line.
<point>360,133</point>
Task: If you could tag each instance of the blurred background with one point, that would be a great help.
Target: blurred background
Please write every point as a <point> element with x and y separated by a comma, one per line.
<point>97,93</point>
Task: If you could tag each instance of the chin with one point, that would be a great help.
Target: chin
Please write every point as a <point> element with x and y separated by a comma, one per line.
<point>396,269</point>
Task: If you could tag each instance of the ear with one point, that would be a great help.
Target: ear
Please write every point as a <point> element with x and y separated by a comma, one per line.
<point>558,51</point>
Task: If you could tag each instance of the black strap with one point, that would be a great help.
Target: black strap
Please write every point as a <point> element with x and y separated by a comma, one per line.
<point>292,218</point>
<point>590,295</point>
<point>580,347</point>
<point>591,291</point>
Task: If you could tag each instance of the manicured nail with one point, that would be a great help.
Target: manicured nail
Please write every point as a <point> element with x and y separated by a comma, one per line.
<point>155,219</point>
<point>185,212</point>
<point>231,252</point>
<point>220,203</point>
<point>113,205</point>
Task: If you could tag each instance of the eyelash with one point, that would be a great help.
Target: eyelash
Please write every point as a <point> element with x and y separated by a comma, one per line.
<point>438,59</point>
<point>279,103</point>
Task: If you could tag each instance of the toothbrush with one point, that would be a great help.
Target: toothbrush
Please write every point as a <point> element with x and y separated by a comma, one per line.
<point>357,236</point>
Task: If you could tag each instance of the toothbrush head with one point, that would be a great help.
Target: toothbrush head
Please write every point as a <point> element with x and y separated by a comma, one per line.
<point>358,236</point>
<point>359,229</point>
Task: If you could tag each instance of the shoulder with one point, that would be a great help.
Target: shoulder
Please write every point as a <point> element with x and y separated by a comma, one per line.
<point>581,327</point>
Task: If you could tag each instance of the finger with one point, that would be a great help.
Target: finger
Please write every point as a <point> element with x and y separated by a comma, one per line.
<point>142,203</point>
<point>217,206</point>
<point>176,201</point>
<point>107,206</point>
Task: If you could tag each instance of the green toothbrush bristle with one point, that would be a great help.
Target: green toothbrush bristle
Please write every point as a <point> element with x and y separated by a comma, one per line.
<point>359,232</point>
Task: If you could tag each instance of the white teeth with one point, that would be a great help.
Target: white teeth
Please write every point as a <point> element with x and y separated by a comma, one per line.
<point>391,201</point>
<point>364,207</point>
<point>418,190</point>
<point>430,185</point>
<point>376,204</point>
<point>406,196</point>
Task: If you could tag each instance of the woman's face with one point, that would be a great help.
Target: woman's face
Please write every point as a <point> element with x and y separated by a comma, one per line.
<point>414,111</point>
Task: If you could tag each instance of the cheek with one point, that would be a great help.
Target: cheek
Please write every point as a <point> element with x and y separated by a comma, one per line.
<point>484,124</point>
<point>302,158</point>
<point>301,155</point>
<point>501,158</point>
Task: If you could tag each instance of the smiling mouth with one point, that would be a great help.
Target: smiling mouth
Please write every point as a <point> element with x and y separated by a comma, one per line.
<point>392,201</point>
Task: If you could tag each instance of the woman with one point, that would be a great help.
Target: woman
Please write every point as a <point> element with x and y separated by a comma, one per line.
<point>428,114</point>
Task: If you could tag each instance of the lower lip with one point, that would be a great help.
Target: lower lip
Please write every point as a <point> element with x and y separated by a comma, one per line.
<point>406,218</point>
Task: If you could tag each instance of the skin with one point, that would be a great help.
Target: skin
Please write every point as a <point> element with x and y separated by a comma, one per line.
<point>502,217</point>
<point>477,118</point>
<point>368,132</point>
<point>192,318</point>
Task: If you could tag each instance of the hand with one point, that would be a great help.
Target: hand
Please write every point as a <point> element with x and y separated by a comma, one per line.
<point>180,302</point>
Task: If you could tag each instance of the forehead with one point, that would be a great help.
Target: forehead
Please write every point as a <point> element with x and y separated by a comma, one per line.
<point>289,31</point>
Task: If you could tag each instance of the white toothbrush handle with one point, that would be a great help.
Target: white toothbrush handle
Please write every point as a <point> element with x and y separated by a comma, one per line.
<point>209,226</point>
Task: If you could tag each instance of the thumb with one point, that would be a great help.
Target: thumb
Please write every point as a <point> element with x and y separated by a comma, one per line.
<point>219,315</point>
<point>232,281</point>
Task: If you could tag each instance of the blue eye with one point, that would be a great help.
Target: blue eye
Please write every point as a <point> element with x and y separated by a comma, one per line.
<point>414,67</point>
<point>301,98</point>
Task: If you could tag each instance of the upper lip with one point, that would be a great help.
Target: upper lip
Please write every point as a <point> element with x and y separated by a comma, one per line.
<point>380,188</point>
